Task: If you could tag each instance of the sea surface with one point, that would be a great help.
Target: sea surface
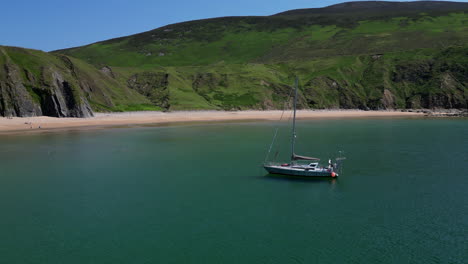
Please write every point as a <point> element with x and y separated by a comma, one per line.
<point>197,193</point>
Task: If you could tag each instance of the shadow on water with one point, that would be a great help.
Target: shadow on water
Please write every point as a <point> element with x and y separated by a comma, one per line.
<point>289,178</point>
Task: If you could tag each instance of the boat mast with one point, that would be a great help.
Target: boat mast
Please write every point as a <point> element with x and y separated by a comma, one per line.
<point>293,140</point>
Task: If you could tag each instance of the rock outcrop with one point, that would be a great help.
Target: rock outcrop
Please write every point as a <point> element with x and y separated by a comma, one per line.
<point>15,99</point>
<point>433,84</point>
<point>35,83</point>
<point>367,55</point>
<point>152,85</point>
<point>61,98</point>
<point>24,94</point>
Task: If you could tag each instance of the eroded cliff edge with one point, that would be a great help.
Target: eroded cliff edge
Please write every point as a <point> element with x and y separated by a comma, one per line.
<point>35,83</point>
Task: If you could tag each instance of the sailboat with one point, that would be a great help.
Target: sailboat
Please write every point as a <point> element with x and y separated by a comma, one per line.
<point>296,166</point>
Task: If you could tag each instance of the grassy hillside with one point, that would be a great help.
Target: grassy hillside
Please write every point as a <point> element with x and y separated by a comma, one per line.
<point>33,82</point>
<point>380,9</point>
<point>348,56</point>
<point>423,78</point>
<point>368,55</point>
<point>278,39</point>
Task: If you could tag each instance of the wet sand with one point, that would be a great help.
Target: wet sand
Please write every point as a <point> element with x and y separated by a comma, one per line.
<point>105,120</point>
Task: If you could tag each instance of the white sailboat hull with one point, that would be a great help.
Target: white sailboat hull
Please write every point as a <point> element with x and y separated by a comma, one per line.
<point>300,171</point>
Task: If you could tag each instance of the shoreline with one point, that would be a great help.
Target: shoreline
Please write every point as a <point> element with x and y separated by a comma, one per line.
<point>17,125</point>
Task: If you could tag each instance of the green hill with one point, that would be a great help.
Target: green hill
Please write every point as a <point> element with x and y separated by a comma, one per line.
<point>368,55</point>
<point>34,83</point>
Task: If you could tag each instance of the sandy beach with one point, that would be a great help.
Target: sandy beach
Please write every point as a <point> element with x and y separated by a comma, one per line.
<point>102,120</point>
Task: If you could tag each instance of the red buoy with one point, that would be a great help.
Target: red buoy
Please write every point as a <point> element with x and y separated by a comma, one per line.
<point>333,174</point>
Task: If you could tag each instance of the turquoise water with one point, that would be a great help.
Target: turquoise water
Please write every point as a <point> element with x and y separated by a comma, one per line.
<point>196,194</point>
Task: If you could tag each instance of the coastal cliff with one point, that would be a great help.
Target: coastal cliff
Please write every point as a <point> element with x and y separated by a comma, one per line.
<point>35,83</point>
<point>359,55</point>
<point>51,89</point>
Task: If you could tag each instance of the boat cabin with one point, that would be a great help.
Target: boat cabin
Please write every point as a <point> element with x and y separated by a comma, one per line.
<point>308,166</point>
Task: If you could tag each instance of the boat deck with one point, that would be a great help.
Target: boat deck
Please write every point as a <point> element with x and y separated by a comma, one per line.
<point>300,170</point>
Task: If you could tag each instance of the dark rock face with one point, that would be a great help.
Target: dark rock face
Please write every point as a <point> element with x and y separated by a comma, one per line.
<point>59,100</point>
<point>324,92</point>
<point>152,85</point>
<point>50,96</point>
<point>281,92</point>
<point>439,85</point>
<point>349,99</point>
<point>417,73</point>
<point>206,83</point>
<point>59,86</point>
<point>317,90</point>
<point>15,99</point>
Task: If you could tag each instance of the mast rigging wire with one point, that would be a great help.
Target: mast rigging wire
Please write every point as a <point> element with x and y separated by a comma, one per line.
<point>277,127</point>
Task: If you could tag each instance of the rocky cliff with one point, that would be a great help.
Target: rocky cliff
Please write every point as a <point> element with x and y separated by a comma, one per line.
<point>366,55</point>
<point>51,91</point>
<point>34,83</point>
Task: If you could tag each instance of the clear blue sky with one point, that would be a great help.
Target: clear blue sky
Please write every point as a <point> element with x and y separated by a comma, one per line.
<point>56,24</point>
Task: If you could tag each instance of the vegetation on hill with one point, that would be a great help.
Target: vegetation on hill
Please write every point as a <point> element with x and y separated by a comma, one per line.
<point>368,55</point>
<point>36,83</point>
